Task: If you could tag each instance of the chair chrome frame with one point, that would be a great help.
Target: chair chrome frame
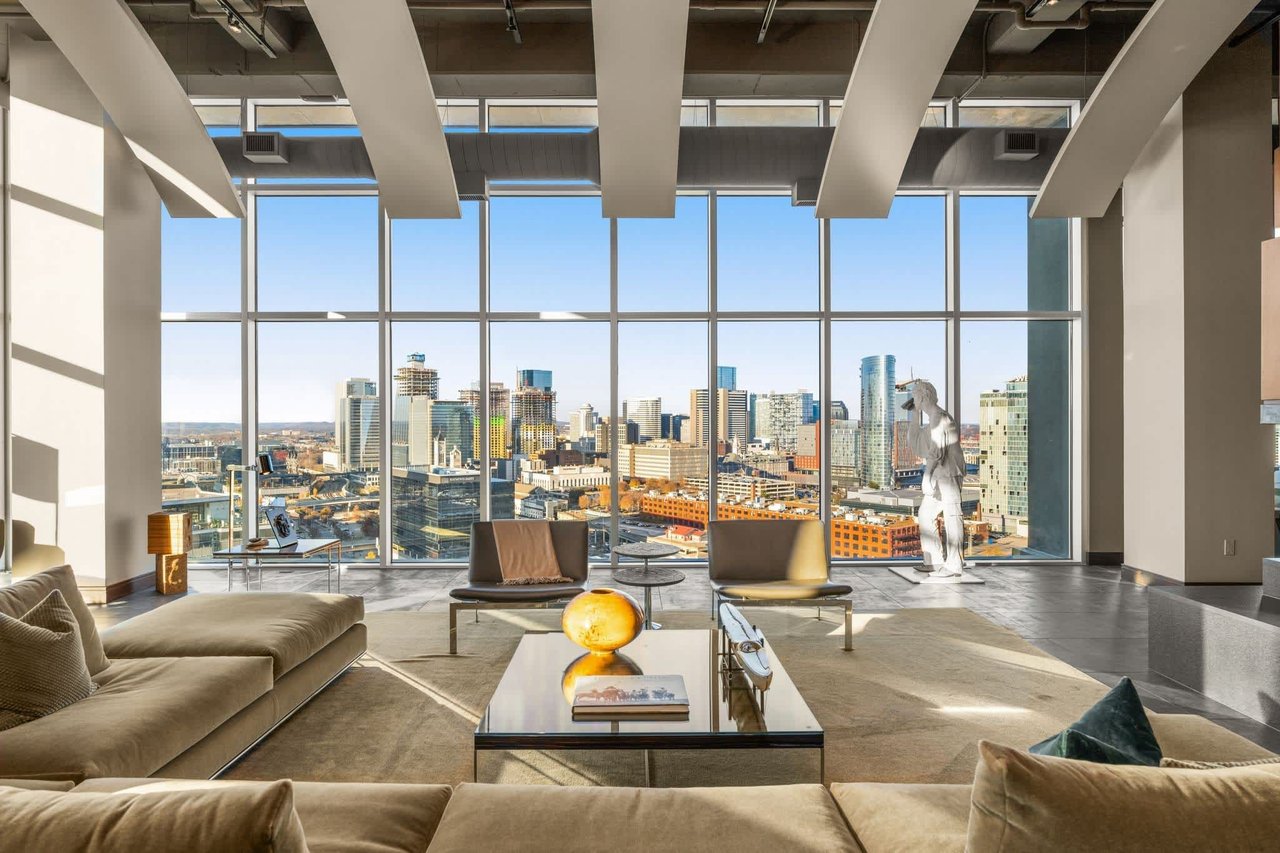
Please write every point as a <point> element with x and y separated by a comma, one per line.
<point>477,606</point>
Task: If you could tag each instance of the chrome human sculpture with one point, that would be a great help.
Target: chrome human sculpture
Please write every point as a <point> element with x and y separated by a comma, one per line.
<point>938,444</point>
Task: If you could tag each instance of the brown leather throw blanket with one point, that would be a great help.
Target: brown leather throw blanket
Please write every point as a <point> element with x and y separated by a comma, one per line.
<point>525,553</point>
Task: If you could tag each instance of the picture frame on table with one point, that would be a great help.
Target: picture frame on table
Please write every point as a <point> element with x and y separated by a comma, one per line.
<point>283,527</point>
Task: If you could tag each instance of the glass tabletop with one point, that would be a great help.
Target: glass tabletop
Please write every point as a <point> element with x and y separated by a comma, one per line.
<point>532,705</point>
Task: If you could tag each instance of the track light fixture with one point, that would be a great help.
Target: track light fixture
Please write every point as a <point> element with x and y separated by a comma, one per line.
<point>233,24</point>
<point>1038,5</point>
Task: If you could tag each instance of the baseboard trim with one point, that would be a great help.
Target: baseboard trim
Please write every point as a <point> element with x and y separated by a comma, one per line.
<point>1104,558</point>
<point>120,589</point>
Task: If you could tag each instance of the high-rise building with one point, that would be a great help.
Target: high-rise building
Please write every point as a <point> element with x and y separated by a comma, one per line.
<point>731,418</point>
<point>1002,454</point>
<point>838,410</point>
<point>435,506</point>
<point>647,413</point>
<point>453,428</point>
<point>533,413</point>
<point>661,460</point>
<point>415,379</point>
<point>411,431</point>
<point>878,389</point>
<point>903,456</point>
<point>582,423</point>
<point>680,430</point>
<point>627,432</point>
<point>727,378</point>
<point>778,418</point>
<point>846,460</point>
<point>499,423</point>
<point>357,430</point>
<point>539,379</point>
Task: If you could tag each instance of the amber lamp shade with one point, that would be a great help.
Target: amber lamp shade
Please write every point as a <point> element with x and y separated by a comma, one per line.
<point>169,538</point>
<point>602,620</point>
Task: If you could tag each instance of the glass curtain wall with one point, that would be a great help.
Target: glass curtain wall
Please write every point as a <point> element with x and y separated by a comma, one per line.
<point>535,360</point>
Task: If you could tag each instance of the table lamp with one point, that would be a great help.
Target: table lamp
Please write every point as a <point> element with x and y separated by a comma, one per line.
<point>169,538</point>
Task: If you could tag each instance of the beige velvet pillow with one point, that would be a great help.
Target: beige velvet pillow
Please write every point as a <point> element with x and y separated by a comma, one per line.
<point>42,667</point>
<point>1029,803</point>
<point>256,818</point>
<point>25,594</point>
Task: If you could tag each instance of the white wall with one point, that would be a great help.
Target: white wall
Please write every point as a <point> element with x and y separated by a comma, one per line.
<point>84,278</point>
<point>1105,353</point>
<point>1196,207</point>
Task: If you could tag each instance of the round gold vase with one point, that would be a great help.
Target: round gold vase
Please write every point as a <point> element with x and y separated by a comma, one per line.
<point>601,620</point>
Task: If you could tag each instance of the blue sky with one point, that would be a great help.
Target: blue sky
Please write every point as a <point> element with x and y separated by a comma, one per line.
<point>552,254</point>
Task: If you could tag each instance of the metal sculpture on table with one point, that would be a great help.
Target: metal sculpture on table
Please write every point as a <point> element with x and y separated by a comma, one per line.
<point>743,644</point>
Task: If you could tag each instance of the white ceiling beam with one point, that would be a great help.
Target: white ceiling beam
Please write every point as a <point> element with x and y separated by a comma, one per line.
<point>639,50</point>
<point>124,69</point>
<point>904,52</point>
<point>1165,53</point>
<point>375,50</point>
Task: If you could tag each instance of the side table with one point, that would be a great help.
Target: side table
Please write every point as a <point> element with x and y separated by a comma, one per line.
<point>647,577</point>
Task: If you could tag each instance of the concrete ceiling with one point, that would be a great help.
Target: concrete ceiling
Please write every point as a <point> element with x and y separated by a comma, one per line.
<point>127,74</point>
<point>808,49</point>
<point>902,56</point>
<point>639,51</point>
<point>383,73</point>
<point>1168,49</point>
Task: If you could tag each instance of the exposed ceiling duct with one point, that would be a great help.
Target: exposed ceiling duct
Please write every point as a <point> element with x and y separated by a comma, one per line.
<point>764,158</point>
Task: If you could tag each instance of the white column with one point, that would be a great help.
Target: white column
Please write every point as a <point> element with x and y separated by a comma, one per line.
<point>1197,204</point>
<point>85,278</point>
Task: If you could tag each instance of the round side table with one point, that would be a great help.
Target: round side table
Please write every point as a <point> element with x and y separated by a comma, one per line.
<point>647,577</point>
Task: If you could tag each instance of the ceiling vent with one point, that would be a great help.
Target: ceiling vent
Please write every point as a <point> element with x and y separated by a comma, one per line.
<point>1017,145</point>
<point>261,147</point>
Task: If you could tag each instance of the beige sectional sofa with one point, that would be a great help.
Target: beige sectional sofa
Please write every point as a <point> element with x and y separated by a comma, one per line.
<point>185,689</point>
<point>848,818</point>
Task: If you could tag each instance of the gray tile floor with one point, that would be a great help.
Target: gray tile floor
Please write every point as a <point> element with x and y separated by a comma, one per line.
<point>1090,617</point>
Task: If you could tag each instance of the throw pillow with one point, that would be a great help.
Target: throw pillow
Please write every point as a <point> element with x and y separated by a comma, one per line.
<point>250,818</point>
<point>42,666</point>
<point>17,599</point>
<point>1114,731</point>
<point>1025,803</point>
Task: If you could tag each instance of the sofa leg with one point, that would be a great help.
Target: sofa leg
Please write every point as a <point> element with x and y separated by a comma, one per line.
<point>848,626</point>
<point>453,628</point>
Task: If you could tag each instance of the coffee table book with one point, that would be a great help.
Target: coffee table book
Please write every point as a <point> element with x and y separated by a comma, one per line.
<point>603,696</point>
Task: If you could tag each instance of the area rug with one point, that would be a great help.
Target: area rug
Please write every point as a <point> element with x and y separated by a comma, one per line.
<point>908,704</point>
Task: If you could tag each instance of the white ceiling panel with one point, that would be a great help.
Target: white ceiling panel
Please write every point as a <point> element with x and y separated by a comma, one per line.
<point>1165,53</point>
<point>123,68</point>
<point>904,52</point>
<point>639,49</point>
<point>375,50</point>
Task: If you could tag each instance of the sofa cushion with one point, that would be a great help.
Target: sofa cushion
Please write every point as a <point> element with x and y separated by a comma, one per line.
<point>19,598</point>
<point>536,818</point>
<point>143,715</point>
<point>341,817</point>
<point>888,818</point>
<point>42,667</point>
<point>1027,803</point>
<point>1193,738</point>
<point>287,627</point>
<point>532,592</point>
<point>1114,731</point>
<point>258,817</point>
<point>37,784</point>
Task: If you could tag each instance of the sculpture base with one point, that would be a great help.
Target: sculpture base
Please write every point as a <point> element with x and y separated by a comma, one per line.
<point>910,573</point>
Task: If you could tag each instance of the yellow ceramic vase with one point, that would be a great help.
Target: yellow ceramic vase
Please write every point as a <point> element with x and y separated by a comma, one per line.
<point>594,664</point>
<point>601,620</point>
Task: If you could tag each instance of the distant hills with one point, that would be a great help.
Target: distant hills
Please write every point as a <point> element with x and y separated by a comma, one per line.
<point>200,427</point>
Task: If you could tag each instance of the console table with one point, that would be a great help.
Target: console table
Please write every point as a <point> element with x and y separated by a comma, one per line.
<point>303,549</point>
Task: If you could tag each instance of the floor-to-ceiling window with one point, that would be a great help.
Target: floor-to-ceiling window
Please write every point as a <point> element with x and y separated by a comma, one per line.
<point>532,359</point>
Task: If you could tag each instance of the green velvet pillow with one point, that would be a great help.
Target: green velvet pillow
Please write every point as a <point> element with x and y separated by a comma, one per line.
<point>1114,731</point>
